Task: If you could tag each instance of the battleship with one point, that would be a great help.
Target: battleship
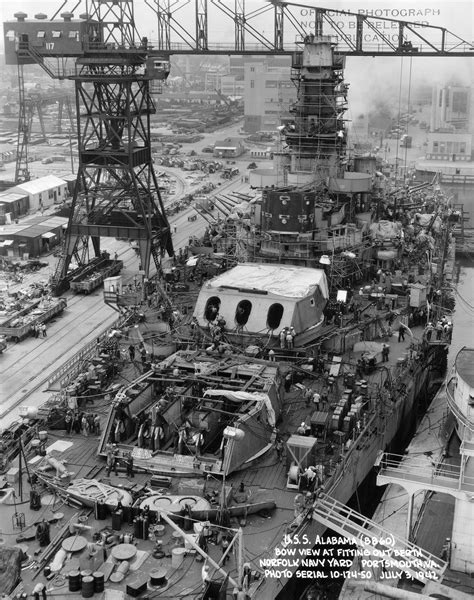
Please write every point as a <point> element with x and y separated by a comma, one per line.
<point>238,417</point>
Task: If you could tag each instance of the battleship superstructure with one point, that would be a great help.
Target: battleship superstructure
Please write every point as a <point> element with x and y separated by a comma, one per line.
<point>339,406</point>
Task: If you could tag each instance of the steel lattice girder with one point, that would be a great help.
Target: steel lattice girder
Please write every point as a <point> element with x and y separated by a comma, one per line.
<point>117,193</point>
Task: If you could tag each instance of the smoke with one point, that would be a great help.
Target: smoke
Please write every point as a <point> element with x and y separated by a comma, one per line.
<point>388,81</point>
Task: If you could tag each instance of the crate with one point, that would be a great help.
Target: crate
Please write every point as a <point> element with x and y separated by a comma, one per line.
<point>13,475</point>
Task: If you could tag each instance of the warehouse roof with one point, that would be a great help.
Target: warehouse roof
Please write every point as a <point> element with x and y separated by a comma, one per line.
<point>42,184</point>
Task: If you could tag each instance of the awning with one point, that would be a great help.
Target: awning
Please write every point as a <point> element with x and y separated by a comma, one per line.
<point>8,242</point>
<point>48,235</point>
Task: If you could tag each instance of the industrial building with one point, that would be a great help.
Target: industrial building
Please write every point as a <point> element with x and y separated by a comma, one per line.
<point>268,95</point>
<point>229,148</point>
<point>13,205</point>
<point>33,237</point>
<point>43,192</point>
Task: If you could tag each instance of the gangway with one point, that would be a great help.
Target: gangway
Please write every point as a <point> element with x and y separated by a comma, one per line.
<point>420,473</point>
<point>387,547</point>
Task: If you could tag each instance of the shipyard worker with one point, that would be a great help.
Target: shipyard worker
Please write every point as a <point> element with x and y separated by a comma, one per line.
<point>439,330</point>
<point>303,429</point>
<point>310,477</point>
<point>68,422</point>
<point>129,465</point>
<point>279,448</point>
<point>239,594</point>
<point>283,337</point>
<point>131,352</point>
<point>39,588</point>
<point>112,459</point>
<point>289,339</point>
<point>385,352</point>
<point>246,576</point>
<point>198,440</point>
<point>205,575</point>
<point>401,333</point>
<point>85,425</point>
<point>225,545</point>
<point>429,331</point>
<point>316,400</point>
<point>42,533</point>
<point>96,424</point>
<point>449,331</point>
<point>271,355</point>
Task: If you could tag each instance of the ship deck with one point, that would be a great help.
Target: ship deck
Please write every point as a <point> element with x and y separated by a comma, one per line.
<point>260,531</point>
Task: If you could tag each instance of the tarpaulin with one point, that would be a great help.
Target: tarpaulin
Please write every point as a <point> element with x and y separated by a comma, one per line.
<point>236,396</point>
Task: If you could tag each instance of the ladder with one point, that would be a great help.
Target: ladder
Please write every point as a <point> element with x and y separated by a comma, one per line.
<point>386,547</point>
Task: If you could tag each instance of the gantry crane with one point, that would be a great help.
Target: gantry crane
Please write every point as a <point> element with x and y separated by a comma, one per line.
<point>116,192</point>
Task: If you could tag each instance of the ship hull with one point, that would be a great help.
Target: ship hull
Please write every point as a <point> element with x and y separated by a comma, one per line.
<point>356,466</point>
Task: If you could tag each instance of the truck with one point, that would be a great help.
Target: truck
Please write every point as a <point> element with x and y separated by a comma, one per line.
<point>405,141</point>
<point>18,327</point>
<point>91,278</point>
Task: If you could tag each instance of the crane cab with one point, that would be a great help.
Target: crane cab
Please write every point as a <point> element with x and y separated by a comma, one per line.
<point>157,67</point>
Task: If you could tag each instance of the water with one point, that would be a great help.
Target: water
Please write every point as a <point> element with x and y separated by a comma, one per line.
<point>463,318</point>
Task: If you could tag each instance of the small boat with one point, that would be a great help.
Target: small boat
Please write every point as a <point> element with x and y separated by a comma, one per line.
<point>88,492</point>
<point>175,505</point>
<point>200,508</point>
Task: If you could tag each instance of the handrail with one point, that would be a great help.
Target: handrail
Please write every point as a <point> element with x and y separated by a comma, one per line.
<point>372,535</point>
<point>438,474</point>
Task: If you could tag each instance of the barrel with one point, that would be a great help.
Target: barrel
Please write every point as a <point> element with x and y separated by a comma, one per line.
<point>86,573</point>
<point>145,527</point>
<point>87,586</point>
<point>74,578</point>
<point>137,528</point>
<point>159,530</point>
<point>177,538</point>
<point>158,577</point>
<point>98,581</point>
<point>100,511</point>
<point>117,520</point>
<point>35,445</point>
<point>177,557</point>
<point>43,436</point>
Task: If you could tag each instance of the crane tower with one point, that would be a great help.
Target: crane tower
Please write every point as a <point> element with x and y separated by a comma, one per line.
<point>116,192</point>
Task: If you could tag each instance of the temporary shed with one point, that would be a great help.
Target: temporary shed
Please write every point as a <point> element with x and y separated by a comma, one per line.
<point>260,299</point>
<point>33,236</point>
<point>43,192</point>
<point>13,205</point>
<point>229,148</point>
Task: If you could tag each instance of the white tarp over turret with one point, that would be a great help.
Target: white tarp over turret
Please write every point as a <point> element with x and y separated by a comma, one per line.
<point>260,299</point>
<point>385,230</point>
<point>238,396</point>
